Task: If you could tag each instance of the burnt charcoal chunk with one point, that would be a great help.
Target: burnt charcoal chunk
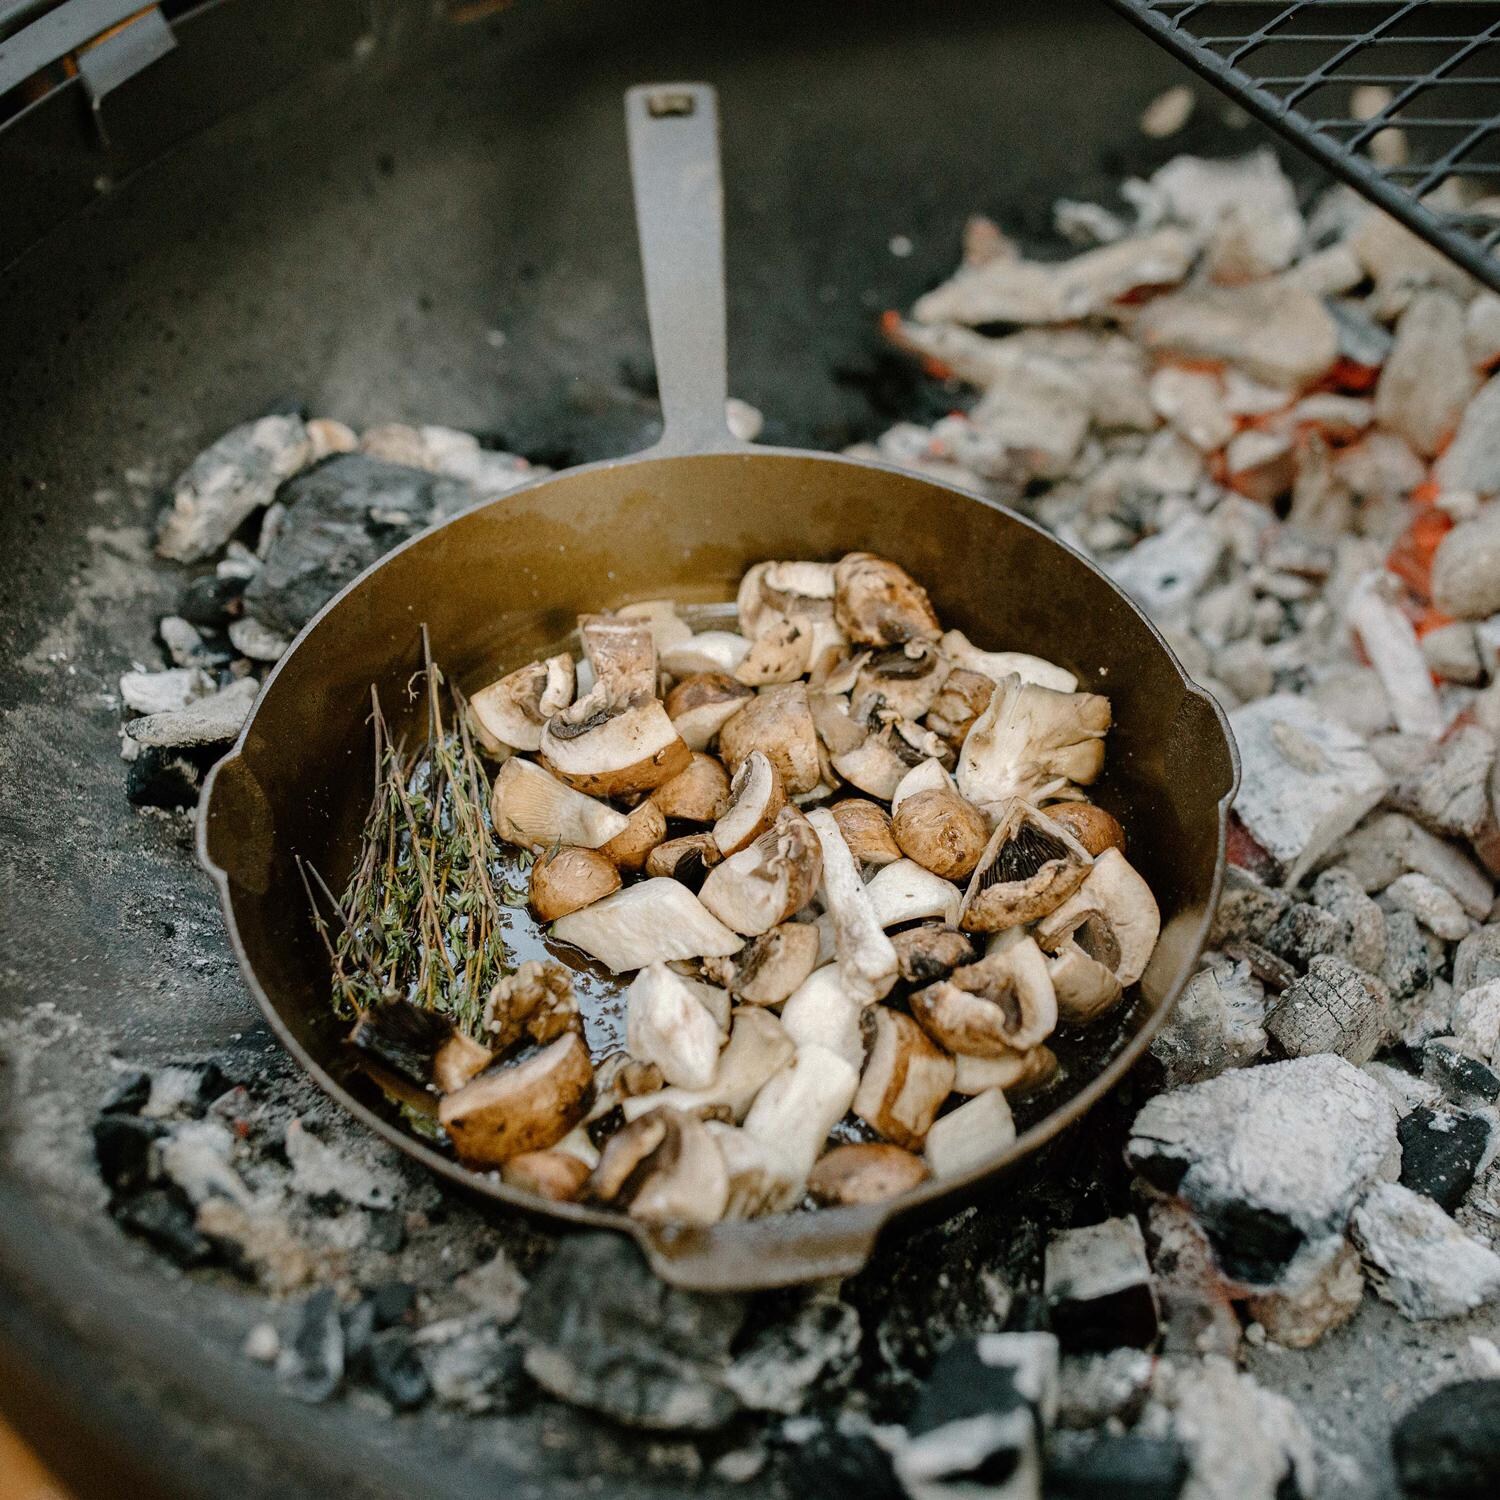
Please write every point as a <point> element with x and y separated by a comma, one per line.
<point>162,777</point>
<point>211,601</point>
<point>834,1465</point>
<point>129,1095</point>
<point>392,1303</point>
<point>1130,1466</point>
<point>395,1370</point>
<point>1248,909</point>
<point>387,1229</point>
<point>1448,1446</point>
<point>962,1384</point>
<point>163,1218</point>
<point>1334,1007</point>
<point>1252,1243</point>
<point>123,1150</point>
<point>1462,1078</point>
<point>1440,1153</point>
<point>1305,931</point>
<point>311,1363</point>
<point>1099,1287</point>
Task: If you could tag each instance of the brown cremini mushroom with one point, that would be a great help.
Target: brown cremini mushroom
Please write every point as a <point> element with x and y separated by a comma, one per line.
<point>663,1168</point>
<point>963,697</point>
<point>1030,866</point>
<point>767,970</point>
<point>622,653</point>
<point>697,793</point>
<point>534,1004</point>
<point>1112,917</point>
<point>531,808</point>
<point>866,827</point>
<point>756,797</point>
<point>865,1172</point>
<point>878,603</point>
<point>771,880</point>
<point>1094,828</point>
<point>702,703</point>
<point>610,750</point>
<point>777,721</point>
<point>458,1060</point>
<point>902,681</point>
<point>555,1175</point>
<point>644,829</point>
<point>758,1049</point>
<point>931,952</point>
<point>1004,1003</point>
<point>688,859</point>
<point>941,831</point>
<point>905,1080</point>
<point>779,654</point>
<point>567,878</point>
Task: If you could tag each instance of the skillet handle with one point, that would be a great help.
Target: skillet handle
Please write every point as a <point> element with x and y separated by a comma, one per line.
<point>673,130</point>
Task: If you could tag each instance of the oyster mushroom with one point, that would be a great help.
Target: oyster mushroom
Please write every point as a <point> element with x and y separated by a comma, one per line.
<point>1004,1003</point>
<point>864,1172</point>
<point>878,603</point>
<point>1085,988</point>
<point>823,1013</point>
<point>905,892</point>
<point>905,1080</point>
<point>963,697</point>
<point>931,952</point>
<point>797,1108</point>
<point>1029,867</point>
<point>610,751</point>
<point>558,1176</point>
<point>1094,828</point>
<point>779,654</point>
<point>758,1049</point>
<point>767,970</point>
<point>756,797</point>
<point>622,653</point>
<point>520,1106</point>
<point>669,1023</point>
<point>509,714</point>
<point>967,1137</point>
<point>960,652</point>
<point>903,680</point>
<point>458,1060</point>
<point>866,960</point>
<point>700,705</point>
<point>645,828</point>
<point>866,827</point>
<point>535,1004</point>
<point>567,878</point>
<point>715,652</point>
<point>771,880</point>
<point>941,831</point>
<point>1112,917</point>
<point>927,776</point>
<point>531,808</point>
<point>874,766</point>
<point>1016,1072</point>
<point>655,919</point>
<point>1031,741</point>
<point>697,793</point>
<point>777,721</point>
<point>762,1180</point>
<point>688,859</point>
<point>663,1168</point>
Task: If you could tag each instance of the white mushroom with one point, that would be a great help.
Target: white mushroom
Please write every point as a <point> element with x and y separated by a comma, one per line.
<point>668,1023</point>
<point>902,681</point>
<point>1031,741</point>
<point>1094,828</point>
<point>779,654</point>
<point>668,628</point>
<point>716,651</point>
<point>771,880</point>
<point>942,831</point>
<point>767,970</point>
<point>878,603</point>
<point>697,793</point>
<point>970,1135</point>
<point>1004,1003</point>
<point>926,776</point>
<point>996,665</point>
<point>567,878</point>
<point>963,697</point>
<point>458,1060</point>
<point>905,892</point>
<point>578,1143</point>
<point>1019,1072</point>
<point>1029,867</point>
<point>905,1080</point>
<point>866,827</point>
<point>622,653</point>
<point>509,714</point>
<point>866,959</point>
<point>873,766</point>
<point>821,1012</point>
<point>1112,917</point>
<point>865,1172</point>
<point>644,829</point>
<point>756,797</point>
<point>802,1103</point>
<point>757,1050</point>
<point>779,722</point>
<point>700,705</point>
<point>655,920</point>
<point>611,751</point>
<point>1085,988</point>
<point>762,1179</point>
<point>663,1168</point>
<point>837,728</point>
<point>534,809</point>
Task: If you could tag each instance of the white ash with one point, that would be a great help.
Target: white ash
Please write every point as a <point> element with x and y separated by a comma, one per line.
<point>1418,1259</point>
<point>164,691</point>
<point>214,720</point>
<point>1437,909</point>
<point>1216,1024</point>
<point>1476,1021</point>
<point>496,1287</point>
<point>786,1361</point>
<point>321,1170</point>
<point>259,642</point>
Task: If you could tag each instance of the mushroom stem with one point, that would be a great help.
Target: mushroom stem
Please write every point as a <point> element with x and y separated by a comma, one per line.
<point>866,959</point>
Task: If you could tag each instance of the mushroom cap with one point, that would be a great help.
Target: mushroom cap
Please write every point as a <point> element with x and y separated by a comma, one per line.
<point>865,1172</point>
<point>1094,828</point>
<point>779,722</point>
<point>963,697</point>
<point>926,776</point>
<point>688,859</point>
<point>458,1060</point>
<point>767,970</point>
<point>961,652</point>
<point>535,1004</point>
<point>622,653</point>
<point>873,765</point>
<point>931,952</point>
<point>778,654</point>
<point>558,1176</point>
<point>969,1136</point>
<point>715,652</point>
<point>509,714</point>
<point>838,730</point>
<point>522,1106</point>
<point>654,919</point>
<point>878,603</point>
<point>668,1023</point>
<point>532,808</point>
<point>663,1168</point>
<point>757,1050</point>
<point>697,793</point>
<point>668,628</point>
<point>941,831</point>
<point>901,680</point>
<point>610,750</point>
<point>1085,988</point>
<point>567,878</point>
<point>1029,867</point>
<point>771,880</point>
<point>905,1080</point>
<point>1004,1003</point>
<point>644,829</point>
<point>866,827</point>
<point>1112,917</point>
<point>701,704</point>
<point>755,799</point>
<point>905,891</point>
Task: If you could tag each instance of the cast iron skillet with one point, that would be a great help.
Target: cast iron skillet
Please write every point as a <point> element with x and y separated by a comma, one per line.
<point>499,583</point>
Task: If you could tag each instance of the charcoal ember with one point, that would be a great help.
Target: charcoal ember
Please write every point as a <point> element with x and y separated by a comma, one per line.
<point>1362,339</point>
<point>396,1370</point>
<point>387,1230</point>
<point>1115,1466</point>
<point>1248,908</point>
<point>1244,666</point>
<point>1099,1287</point>
<point>1406,1091</point>
<point>1462,1077</point>
<point>1268,1157</point>
<point>1093,1389</point>
<point>1448,792</point>
<point>1166,572</point>
<point>1341,921</point>
<point>129,1095</point>
<point>1472,460</point>
<point>1198,1315</point>
<point>790,1358</point>
<point>1408,969</point>
<point>1390,641</point>
<point>645,1354</point>
<point>211,600</point>
<point>256,641</point>
<point>1244,202</point>
<point>311,1362</point>
<point>1437,909</point>
<point>1476,1021</point>
<point>834,1462</point>
<point>1334,1007</point>
<point>472,1365</point>
<point>1452,651</point>
<point>1319,1291</point>
<point>1418,1259</point>
<point>1400,263</point>
<point>1448,1446</point>
<point>164,1219</point>
<point>259,1243</point>
<point>214,720</point>
<point>185,1090</point>
<point>162,778</point>
<point>197,1156</point>
<point>1479,1213</point>
<point>165,691</point>
<point>1389,844</point>
<point>228,482</point>
<point>1427,381</point>
<point>1305,780</point>
<point>1216,1024</point>
<point>1260,463</point>
<point>1303,932</point>
<point>1192,402</point>
<point>1477,958</point>
<point>340,517</point>
<point>1441,1150</point>
<point>125,1150</point>
<point>1353,696</point>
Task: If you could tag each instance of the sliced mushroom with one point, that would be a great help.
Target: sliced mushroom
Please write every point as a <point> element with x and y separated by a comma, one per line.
<point>668,1023</point>
<point>756,797</point>
<point>1030,866</point>
<point>1016,1072</point>
<point>663,1168</point>
<point>924,954</point>
<point>1032,741</point>
<point>866,960</point>
<point>878,603</point>
<point>905,1080</point>
<point>1094,828</point>
<point>767,970</point>
<point>697,793</point>
<point>568,878</point>
<point>969,1136</point>
<point>779,654</point>
<point>622,653</point>
<point>618,1079</point>
<point>577,1142</point>
<point>927,776</point>
<point>717,652</point>
<point>520,1106</point>
<point>915,744</point>
<point>509,714</point>
<point>611,751</point>
<point>964,696</point>
<point>873,766</point>
<point>1004,1003</point>
<point>941,831</point>
<point>458,1060</point>
<point>839,731</point>
<point>835,676</point>
<point>821,1012</point>
<point>905,680</point>
<point>762,1180</point>
<point>1085,988</point>
<point>771,880</point>
<point>866,827</point>
<point>804,1101</point>
<point>688,859</point>
<point>757,1050</point>
<point>958,649</point>
<point>864,1172</point>
<point>531,808</point>
<point>779,722</point>
<point>558,1176</point>
<point>1112,917</point>
<point>400,1038</point>
<point>771,592</point>
<point>644,829</point>
<point>535,1004</point>
<point>657,919</point>
<point>700,705</point>
<point>905,892</point>
<point>668,628</point>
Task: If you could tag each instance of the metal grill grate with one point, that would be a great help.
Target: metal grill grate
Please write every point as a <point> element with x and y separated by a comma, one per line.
<point>1402,100</point>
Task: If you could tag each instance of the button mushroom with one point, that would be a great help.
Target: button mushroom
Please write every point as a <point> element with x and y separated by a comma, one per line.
<point>697,793</point>
<point>663,1168</point>
<point>458,1060</point>
<point>777,594</point>
<point>866,827</point>
<point>905,1080</point>
<point>767,970</point>
<point>878,603</point>
<point>1030,866</point>
<point>1004,1003</point>
<point>756,796</point>
<point>531,808</point>
<point>903,680</point>
<point>838,730</point>
<point>771,880</point>
<point>609,749</point>
<point>1031,742</point>
<point>969,1136</point>
<point>757,1050</point>
<point>701,704</point>
<point>509,714</point>
<point>520,1106</point>
<point>941,831</point>
<point>657,919</point>
<point>1016,1072</point>
<point>962,653</point>
<point>668,1023</point>
<point>905,892</point>
<point>963,697</point>
<point>568,878</point>
<point>821,1012</point>
<point>688,859</point>
<point>1085,988</point>
<point>779,654</point>
<point>714,652</point>
<point>534,1004</point>
<point>644,829</point>
<point>667,627</point>
<point>1112,917</point>
<point>865,1172</point>
<point>927,776</point>
<point>873,765</point>
<point>866,960</point>
<point>930,952</point>
<point>558,1176</point>
<point>802,1103</point>
<point>622,653</point>
<point>762,1179</point>
<point>1094,828</point>
<point>779,722</point>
